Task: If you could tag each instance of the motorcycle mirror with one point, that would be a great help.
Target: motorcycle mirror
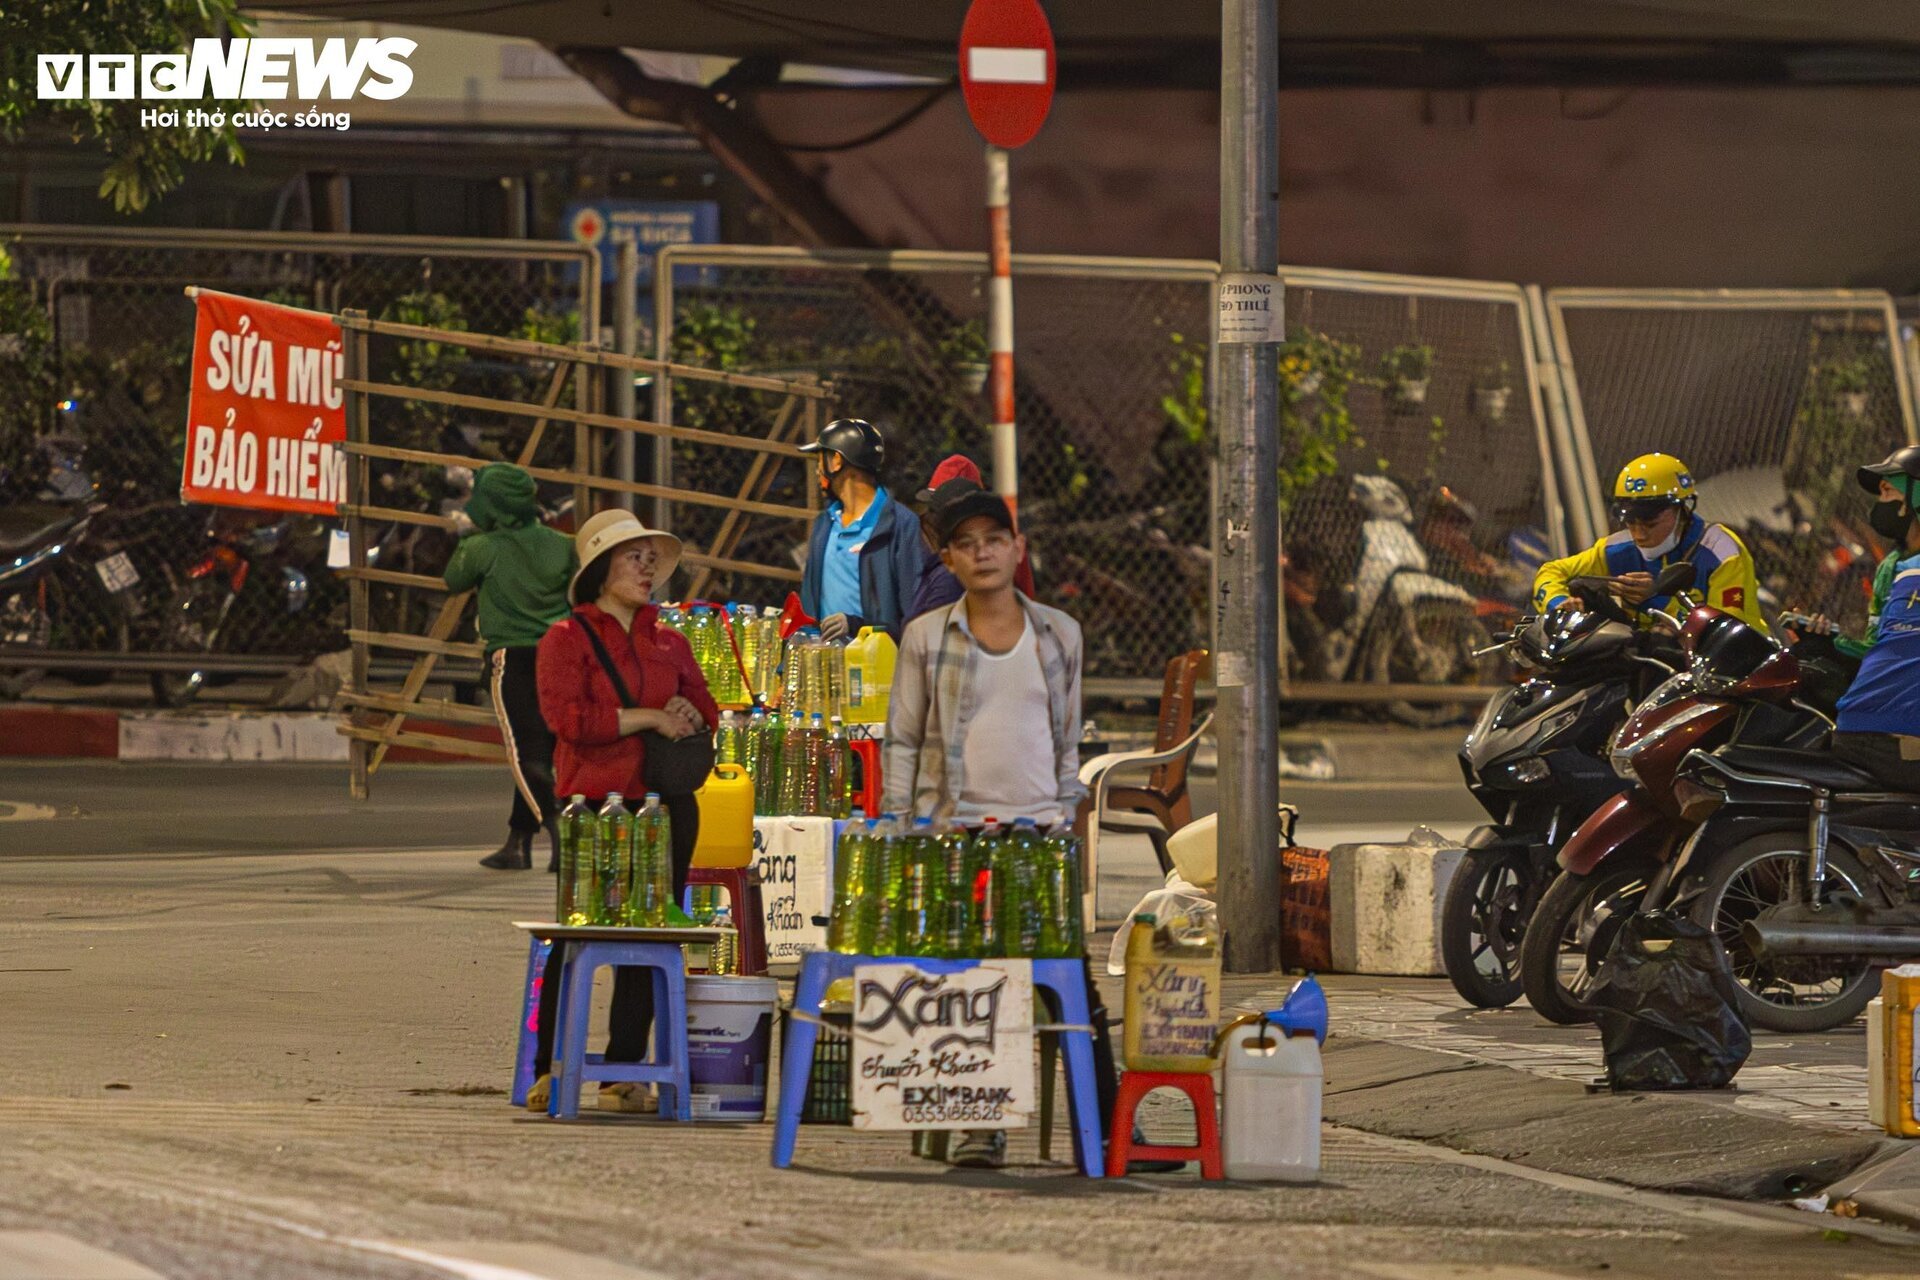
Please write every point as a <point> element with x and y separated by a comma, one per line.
<point>1675,577</point>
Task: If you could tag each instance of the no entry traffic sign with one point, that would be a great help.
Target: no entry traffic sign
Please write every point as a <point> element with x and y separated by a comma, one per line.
<point>1006,69</point>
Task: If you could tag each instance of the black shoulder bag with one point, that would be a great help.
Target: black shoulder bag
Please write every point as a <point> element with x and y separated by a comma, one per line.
<point>674,766</point>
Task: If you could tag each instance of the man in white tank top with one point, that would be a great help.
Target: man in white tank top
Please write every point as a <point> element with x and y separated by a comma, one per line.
<point>984,717</point>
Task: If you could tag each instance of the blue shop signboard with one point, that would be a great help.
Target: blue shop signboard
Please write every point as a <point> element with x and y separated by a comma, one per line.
<point>654,223</point>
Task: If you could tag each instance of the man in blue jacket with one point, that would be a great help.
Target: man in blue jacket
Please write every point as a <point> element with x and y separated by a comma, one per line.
<point>865,555</point>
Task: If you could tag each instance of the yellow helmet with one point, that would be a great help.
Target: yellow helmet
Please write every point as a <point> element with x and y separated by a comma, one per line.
<point>1650,483</point>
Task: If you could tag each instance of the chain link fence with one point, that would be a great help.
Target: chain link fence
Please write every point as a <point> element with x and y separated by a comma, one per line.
<point>1111,392</point>
<point>1418,485</point>
<point>96,335</point>
<point>1772,399</point>
<point>1431,456</point>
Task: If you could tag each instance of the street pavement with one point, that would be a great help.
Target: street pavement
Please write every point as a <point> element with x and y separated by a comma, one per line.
<point>242,1034</point>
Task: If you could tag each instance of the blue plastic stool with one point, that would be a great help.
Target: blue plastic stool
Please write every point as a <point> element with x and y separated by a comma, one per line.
<point>538,950</point>
<point>574,1066</point>
<point>1065,980</point>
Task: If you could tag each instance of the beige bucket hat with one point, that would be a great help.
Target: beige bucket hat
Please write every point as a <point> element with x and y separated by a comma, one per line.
<point>610,529</point>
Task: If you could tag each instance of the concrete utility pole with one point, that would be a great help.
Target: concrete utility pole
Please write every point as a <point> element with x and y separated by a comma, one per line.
<point>1246,528</point>
<point>626,341</point>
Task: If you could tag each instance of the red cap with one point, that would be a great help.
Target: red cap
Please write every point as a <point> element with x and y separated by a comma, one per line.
<point>955,466</point>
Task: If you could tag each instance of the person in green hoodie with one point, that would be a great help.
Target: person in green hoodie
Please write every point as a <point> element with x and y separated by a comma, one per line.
<point>520,568</point>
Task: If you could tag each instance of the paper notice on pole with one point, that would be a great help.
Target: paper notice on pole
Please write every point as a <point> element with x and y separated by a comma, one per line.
<point>1231,670</point>
<point>943,1049</point>
<point>1251,308</point>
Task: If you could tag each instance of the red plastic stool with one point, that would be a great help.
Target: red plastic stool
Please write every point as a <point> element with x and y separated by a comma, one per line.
<point>1135,1085</point>
<point>868,801</point>
<point>749,917</point>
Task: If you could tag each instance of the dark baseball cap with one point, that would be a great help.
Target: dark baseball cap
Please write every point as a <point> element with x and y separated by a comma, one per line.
<point>960,500</point>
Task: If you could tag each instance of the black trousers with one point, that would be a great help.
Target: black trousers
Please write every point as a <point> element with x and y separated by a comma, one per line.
<point>1892,758</point>
<point>516,701</point>
<point>630,1022</point>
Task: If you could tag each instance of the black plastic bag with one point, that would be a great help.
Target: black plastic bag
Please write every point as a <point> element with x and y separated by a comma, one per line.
<point>1663,1021</point>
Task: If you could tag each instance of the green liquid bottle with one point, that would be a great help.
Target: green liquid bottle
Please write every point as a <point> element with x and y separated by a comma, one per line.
<point>575,890</point>
<point>889,887</point>
<point>853,868</point>
<point>1062,932</point>
<point>962,868</point>
<point>652,883</point>
<point>727,742</point>
<point>766,783</point>
<point>923,898</point>
<point>613,851</point>
<point>793,767</point>
<point>989,859</point>
<point>1016,876</point>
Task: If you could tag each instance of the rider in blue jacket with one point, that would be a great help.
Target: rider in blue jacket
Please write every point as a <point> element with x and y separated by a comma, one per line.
<point>865,556</point>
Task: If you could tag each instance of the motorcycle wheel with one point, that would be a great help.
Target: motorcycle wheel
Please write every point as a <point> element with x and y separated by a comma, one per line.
<point>1482,923</point>
<point>191,624</point>
<point>1570,934</point>
<point>1796,994</point>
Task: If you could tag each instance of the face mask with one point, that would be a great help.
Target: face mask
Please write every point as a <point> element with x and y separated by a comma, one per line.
<point>1891,520</point>
<point>1667,543</point>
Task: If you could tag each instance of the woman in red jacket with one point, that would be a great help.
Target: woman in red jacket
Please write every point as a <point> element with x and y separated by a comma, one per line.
<point>599,748</point>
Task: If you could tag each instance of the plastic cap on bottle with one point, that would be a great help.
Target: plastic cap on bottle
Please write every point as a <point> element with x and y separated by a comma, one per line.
<point>1146,917</point>
<point>1025,822</point>
<point>816,719</point>
<point>614,795</point>
<point>579,798</point>
<point>653,797</point>
<point>923,822</point>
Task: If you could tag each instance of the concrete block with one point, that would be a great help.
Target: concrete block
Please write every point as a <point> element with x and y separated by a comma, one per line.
<point>1384,901</point>
<point>228,736</point>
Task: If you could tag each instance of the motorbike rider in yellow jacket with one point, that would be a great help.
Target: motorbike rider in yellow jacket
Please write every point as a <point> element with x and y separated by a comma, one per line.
<point>1653,500</point>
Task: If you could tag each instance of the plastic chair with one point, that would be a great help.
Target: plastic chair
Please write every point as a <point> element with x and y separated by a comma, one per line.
<point>1063,981</point>
<point>749,915</point>
<point>538,951</point>
<point>1136,1085</point>
<point>574,1066</point>
<point>1161,806</point>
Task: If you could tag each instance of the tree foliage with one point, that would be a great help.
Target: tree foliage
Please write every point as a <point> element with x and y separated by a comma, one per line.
<point>143,162</point>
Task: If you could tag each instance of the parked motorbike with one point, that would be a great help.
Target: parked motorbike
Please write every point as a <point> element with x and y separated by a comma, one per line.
<point>197,616</point>
<point>1394,622</point>
<point>1740,685</point>
<point>1536,760</point>
<point>1806,869</point>
<point>55,575</point>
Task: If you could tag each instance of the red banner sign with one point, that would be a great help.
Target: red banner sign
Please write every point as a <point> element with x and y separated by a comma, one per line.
<point>267,414</point>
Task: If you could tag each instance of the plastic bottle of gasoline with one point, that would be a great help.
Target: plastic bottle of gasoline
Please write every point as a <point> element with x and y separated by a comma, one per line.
<point>1017,879</point>
<point>1062,935</point>
<point>576,889</point>
<point>923,913</point>
<point>889,884</point>
<point>962,869</point>
<point>614,853</point>
<point>985,936</point>
<point>853,873</point>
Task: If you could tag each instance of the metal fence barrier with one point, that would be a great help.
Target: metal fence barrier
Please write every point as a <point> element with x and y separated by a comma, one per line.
<point>1772,398</point>
<point>1115,459</point>
<point>1439,437</point>
<point>95,339</point>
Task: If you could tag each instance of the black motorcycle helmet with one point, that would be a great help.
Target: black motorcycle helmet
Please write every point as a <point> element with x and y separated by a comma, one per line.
<point>854,439</point>
<point>1901,462</point>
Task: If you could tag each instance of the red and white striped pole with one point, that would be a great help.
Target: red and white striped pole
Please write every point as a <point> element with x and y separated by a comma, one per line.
<point>1006,455</point>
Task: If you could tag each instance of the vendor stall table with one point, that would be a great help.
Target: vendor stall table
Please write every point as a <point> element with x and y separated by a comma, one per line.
<point>583,949</point>
<point>1064,980</point>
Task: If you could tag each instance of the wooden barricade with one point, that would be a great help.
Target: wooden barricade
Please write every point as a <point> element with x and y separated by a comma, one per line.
<point>375,720</point>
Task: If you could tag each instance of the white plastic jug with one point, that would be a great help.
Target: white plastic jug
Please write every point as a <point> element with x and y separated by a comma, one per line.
<point>1270,1117</point>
